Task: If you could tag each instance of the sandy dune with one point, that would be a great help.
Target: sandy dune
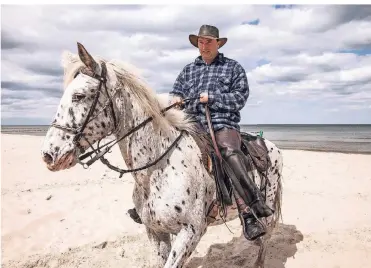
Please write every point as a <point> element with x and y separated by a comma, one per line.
<point>77,218</point>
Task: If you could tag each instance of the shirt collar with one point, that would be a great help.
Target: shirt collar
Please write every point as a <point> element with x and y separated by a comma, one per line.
<point>219,58</point>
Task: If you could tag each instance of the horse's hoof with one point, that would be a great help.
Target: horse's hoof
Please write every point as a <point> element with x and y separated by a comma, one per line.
<point>134,215</point>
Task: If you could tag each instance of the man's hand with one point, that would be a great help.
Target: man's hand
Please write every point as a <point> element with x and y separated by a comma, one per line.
<point>177,100</point>
<point>204,97</point>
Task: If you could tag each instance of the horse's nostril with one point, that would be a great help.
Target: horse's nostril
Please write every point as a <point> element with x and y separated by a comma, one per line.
<point>48,158</point>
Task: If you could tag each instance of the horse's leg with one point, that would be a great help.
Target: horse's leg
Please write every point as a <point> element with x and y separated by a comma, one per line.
<point>161,245</point>
<point>184,244</point>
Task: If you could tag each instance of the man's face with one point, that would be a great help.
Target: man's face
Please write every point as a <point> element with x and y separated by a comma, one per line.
<point>208,48</point>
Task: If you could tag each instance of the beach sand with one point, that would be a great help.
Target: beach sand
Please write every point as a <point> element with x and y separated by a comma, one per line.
<point>77,217</point>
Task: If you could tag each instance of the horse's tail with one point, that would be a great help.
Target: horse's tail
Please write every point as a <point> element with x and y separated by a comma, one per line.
<point>278,203</point>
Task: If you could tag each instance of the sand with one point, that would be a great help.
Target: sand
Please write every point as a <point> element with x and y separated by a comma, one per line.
<point>77,218</point>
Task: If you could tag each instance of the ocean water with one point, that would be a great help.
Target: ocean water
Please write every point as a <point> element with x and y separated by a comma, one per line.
<point>332,138</point>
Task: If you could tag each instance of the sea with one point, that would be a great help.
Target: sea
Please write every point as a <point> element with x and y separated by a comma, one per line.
<point>328,138</point>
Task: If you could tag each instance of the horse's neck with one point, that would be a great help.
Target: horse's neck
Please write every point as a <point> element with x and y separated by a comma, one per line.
<point>146,144</point>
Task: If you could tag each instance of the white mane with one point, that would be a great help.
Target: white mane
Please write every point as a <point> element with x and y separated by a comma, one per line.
<point>149,101</point>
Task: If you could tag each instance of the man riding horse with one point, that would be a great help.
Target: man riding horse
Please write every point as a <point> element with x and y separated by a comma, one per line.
<point>222,85</point>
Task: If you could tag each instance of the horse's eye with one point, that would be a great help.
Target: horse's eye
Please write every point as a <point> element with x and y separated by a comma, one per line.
<point>77,97</point>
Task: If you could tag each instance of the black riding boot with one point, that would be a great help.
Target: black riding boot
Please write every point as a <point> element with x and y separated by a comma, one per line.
<point>254,199</point>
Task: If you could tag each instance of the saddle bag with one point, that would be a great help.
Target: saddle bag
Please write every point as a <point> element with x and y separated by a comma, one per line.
<point>254,146</point>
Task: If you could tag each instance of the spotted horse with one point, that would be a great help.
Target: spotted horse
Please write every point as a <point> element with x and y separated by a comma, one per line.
<point>173,189</point>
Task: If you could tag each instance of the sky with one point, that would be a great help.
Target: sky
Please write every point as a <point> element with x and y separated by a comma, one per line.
<point>305,64</point>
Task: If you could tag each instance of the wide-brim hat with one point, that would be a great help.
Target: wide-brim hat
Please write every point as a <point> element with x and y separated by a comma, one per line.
<point>207,31</point>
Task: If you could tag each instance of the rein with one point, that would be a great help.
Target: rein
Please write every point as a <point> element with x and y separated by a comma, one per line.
<point>223,212</point>
<point>100,154</point>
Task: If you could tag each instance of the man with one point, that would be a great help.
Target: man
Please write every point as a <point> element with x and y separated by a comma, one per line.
<point>221,83</point>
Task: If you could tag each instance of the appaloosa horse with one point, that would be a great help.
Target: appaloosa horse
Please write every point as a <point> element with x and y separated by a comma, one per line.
<point>173,193</point>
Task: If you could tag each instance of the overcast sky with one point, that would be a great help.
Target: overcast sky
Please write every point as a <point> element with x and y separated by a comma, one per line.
<point>305,64</point>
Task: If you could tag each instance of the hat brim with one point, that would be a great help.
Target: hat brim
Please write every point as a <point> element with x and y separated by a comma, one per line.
<point>194,40</point>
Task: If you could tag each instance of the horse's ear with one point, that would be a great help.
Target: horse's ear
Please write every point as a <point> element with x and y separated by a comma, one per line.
<point>86,58</point>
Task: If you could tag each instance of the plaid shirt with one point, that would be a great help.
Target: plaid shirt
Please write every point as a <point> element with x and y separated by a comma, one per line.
<point>225,82</point>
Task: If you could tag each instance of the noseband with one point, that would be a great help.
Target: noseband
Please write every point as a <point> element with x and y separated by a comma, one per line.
<point>99,153</point>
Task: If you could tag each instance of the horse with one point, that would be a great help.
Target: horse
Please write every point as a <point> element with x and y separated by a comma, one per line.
<point>174,188</point>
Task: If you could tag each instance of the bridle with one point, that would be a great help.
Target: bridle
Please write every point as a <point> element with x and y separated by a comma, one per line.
<point>100,151</point>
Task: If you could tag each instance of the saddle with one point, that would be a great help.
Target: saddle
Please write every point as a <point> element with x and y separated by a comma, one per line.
<point>252,146</point>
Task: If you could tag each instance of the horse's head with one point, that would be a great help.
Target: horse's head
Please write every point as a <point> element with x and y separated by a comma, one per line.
<point>85,113</point>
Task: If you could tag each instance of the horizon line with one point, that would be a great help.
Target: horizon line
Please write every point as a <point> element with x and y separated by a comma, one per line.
<point>245,124</point>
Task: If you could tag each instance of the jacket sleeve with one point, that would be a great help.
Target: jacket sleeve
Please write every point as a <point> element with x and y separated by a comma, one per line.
<point>236,99</point>
<point>178,87</point>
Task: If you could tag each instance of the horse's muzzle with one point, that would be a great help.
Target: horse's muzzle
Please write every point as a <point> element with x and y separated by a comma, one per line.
<point>56,163</point>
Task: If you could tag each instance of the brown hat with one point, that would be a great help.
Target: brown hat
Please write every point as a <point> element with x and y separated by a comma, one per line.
<point>207,31</point>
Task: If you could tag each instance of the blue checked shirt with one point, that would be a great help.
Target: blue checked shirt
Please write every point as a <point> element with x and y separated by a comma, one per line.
<point>225,82</point>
